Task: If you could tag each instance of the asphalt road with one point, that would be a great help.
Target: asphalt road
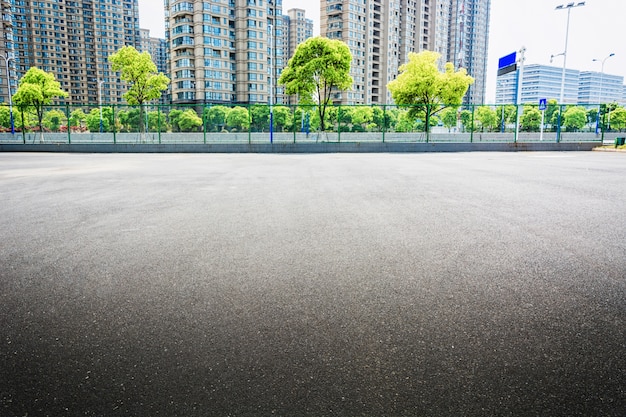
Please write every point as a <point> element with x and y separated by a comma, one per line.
<point>468,284</point>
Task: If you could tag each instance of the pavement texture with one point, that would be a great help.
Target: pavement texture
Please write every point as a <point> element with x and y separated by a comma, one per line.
<point>466,284</point>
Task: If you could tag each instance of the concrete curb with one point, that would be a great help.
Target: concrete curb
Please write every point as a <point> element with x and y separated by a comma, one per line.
<point>322,147</point>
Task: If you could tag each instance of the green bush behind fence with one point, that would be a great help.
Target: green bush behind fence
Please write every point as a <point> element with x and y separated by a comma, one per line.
<point>207,123</point>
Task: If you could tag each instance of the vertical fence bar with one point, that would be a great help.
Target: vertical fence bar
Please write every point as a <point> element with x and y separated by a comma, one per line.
<point>339,124</point>
<point>472,124</point>
<point>249,124</point>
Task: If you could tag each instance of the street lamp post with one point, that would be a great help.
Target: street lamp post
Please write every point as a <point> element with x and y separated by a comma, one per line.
<point>271,52</point>
<point>569,8</point>
<point>601,87</point>
<point>8,57</point>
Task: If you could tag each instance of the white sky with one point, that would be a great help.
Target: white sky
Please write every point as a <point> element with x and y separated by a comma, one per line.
<point>595,31</point>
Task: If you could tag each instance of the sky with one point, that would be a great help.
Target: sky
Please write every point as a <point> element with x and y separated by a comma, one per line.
<point>596,30</point>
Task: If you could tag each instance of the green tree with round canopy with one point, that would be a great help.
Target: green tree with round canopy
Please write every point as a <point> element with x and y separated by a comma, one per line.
<point>146,83</point>
<point>425,90</point>
<point>36,90</point>
<point>319,66</point>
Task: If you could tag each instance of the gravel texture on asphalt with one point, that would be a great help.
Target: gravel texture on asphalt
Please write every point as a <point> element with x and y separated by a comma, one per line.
<point>469,284</point>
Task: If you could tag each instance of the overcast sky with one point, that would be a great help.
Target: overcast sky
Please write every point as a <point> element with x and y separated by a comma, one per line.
<point>595,31</point>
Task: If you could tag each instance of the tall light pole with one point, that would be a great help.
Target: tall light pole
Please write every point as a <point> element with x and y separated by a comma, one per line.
<point>601,85</point>
<point>602,73</point>
<point>569,8</point>
<point>100,102</point>
<point>271,52</point>
<point>8,57</point>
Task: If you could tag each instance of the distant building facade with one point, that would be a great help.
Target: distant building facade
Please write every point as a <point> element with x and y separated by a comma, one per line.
<point>382,33</point>
<point>224,52</point>
<point>543,81</point>
<point>72,40</point>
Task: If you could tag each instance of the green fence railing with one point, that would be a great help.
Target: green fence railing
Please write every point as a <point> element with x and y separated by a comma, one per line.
<point>239,123</point>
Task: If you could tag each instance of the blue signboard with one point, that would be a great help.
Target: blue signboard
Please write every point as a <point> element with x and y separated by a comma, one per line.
<point>507,64</point>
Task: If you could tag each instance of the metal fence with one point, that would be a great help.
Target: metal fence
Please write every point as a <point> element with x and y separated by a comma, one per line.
<point>238,123</point>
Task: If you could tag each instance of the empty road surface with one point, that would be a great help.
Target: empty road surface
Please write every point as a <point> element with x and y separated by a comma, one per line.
<point>463,284</point>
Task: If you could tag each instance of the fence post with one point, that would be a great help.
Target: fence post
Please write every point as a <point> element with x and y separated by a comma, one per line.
<point>559,122</point>
<point>67,117</point>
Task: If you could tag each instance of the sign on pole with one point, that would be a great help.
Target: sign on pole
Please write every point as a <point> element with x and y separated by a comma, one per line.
<point>507,64</point>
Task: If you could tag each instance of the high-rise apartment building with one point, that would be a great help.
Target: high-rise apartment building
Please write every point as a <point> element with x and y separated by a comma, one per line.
<point>156,47</point>
<point>224,50</point>
<point>298,29</point>
<point>73,39</point>
<point>382,33</point>
<point>469,43</point>
<point>8,82</point>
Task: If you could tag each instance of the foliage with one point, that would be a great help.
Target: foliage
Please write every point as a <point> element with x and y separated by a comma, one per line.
<point>618,118</point>
<point>77,118</point>
<point>92,119</point>
<point>575,118</point>
<point>282,118</point>
<point>53,119</point>
<point>530,120</point>
<point>318,66</point>
<point>260,118</point>
<point>189,121</point>
<point>36,89</point>
<point>427,91</point>
<point>506,115</point>
<point>146,83</point>
<point>449,117</point>
<point>238,118</point>
<point>486,118</point>
<point>467,120</point>
<point>215,117</point>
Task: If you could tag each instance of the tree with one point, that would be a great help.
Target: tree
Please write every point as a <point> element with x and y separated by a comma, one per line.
<point>487,118</point>
<point>530,119</point>
<point>425,90</point>
<point>215,117</point>
<point>449,118</point>
<point>77,118</point>
<point>238,118</point>
<point>575,118</point>
<point>506,114</point>
<point>92,119</point>
<point>146,83</point>
<point>467,120</point>
<point>318,66</point>
<point>53,119</point>
<point>618,118</point>
<point>189,121</point>
<point>37,88</point>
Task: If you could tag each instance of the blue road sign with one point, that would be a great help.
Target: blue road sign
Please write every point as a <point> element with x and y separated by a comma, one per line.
<point>507,64</point>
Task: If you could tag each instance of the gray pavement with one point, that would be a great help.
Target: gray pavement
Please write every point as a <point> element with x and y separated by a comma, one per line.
<point>465,284</point>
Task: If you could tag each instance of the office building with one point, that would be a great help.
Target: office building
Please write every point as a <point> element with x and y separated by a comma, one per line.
<point>382,33</point>
<point>73,40</point>
<point>222,51</point>
<point>543,81</point>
